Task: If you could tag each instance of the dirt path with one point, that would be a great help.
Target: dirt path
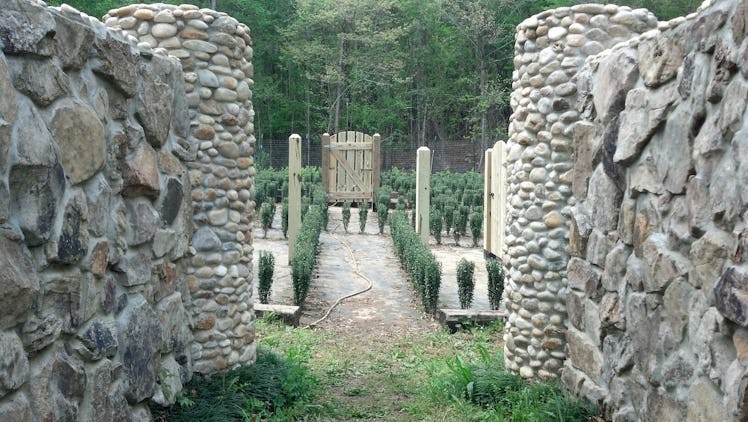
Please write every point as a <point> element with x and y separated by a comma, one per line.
<point>391,305</point>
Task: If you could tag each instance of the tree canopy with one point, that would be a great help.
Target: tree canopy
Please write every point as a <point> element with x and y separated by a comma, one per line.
<point>412,70</point>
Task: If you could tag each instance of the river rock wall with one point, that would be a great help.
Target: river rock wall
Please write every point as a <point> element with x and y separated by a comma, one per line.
<point>658,308</point>
<point>550,49</point>
<point>95,221</point>
<point>215,53</point>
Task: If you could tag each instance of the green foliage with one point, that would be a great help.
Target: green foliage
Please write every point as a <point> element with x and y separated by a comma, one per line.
<point>363,213</point>
<point>305,254</point>
<point>460,224</point>
<point>465,282</point>
<point>265,275</point>
<point>284,218</point>
<point>435,224</point>
<point>383,206</point>
<point>420,264</point>
<point>495,282</point>
<point>273,384</point>
<point>346,215</point>
<point>476,224</point>
<point>267,212</point>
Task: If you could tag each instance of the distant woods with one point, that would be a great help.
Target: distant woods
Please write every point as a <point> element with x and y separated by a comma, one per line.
<point>413,70</point>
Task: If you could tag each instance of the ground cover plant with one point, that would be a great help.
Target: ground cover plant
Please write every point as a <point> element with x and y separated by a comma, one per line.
<point>425,374</point>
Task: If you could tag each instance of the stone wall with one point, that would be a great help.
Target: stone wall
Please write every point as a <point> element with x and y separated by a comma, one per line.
<point>550,49</point>
<point>658,309</point>
<point>215,52</point>
<point>95,221</point>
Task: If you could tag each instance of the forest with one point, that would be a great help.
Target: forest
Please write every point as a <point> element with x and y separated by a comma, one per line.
<point>415,71</point>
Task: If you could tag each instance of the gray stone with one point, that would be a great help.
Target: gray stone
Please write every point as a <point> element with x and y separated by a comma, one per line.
<point>673,153</point>
<point>584,354</point>
<point>26,28</point>
<point>725,59</point>
<point>205,239</point>
<point>66,296</point>
<point>642,322</point>
<point>133,269</point>
<point>99,195</point>
<point>98,340</point>
<point>732,108</point>
<point>606,199</point>
<point>644,176</point>
<point>592,322</point>
<point>155,99</point>
<point>82,140</point>
<point>140,173</point>
<point>702,35</point>
<point>200,45</point>
<point>587,155</point>
<point>616,75</point>
<point>677,299</point>
<point>143,221</point>
<point>174,320</point>
<point>618,355</point>
<point>72,243</point>
<point>615,268</point>
<point>723,189</point>
<point>598,246</point>
<point>14,366</point>
<point>579,230</point>
<point>708,255</point>
<point>139,341</point>
<point>705,402</point>
<point>663,264</point>
<point>17,409</point>
<point>661,406</point>
<point>584,277</point>
<point>170,383</point>
<point>116,62</point>
<point>38,333</point>
<point>58,387</point>
<point>645,112</point>
<point>40,80</point>
<point>613,169</point>
<point>100,389</point>
<point>660,58</point>
<point>18,282</point>
<point>172,201</point>
<point>731,295</point>
<point>207,78</point>
<point>164,241</point>
<point>699,213</point>
<point>575,309</point>
<point>73,41</point>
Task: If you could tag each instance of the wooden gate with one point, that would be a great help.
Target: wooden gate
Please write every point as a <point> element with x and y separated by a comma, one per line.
<point>350,166</point>
<point>494,201</point>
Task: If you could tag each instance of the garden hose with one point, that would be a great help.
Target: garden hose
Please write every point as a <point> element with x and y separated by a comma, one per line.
<point>357,272</point>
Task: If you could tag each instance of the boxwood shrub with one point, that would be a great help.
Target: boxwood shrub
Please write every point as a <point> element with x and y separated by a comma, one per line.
<point>305,253</point>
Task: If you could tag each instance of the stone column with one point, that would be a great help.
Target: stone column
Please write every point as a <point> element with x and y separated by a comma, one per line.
<point>215,52</point>
<point>550,48</point>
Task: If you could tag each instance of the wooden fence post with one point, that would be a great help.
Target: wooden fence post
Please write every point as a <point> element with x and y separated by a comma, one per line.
<point>488,196</point>
<point>498,205</point>
<point>376,165</point>
<point>294,192</point>
<point>324,170</point>
<point>423,192</point>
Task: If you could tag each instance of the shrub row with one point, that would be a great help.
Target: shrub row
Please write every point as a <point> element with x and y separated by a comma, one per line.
<point>424,271</point>
<point>305,253</point>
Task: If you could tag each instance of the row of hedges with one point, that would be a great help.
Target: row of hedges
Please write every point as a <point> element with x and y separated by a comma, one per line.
<point>305,253</point>
<point>424,271</point>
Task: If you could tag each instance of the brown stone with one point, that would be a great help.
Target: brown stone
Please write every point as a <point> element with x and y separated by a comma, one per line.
<point>141,173</point>
<point>204,132</point>
<point>82,140</point>
<point>731,295</point>
<point>100,258</point>
<point>169,164</point>
<point>190,33</point>
<point>660,58</point>
<point>583,354</point>
<point>206,323</point>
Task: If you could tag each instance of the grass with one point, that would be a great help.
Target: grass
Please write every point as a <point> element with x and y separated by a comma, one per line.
<point>319,376</point>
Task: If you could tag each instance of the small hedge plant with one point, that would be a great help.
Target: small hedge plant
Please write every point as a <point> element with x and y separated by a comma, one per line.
<point>267,212</point>
<point>305,253</point>
<point>424,271</point>
<point>346,215</point>
<point>495,282</point>
<point>265,274</point>
<point>465,282</point>
<point>363,213</point>
<point>476,224</point>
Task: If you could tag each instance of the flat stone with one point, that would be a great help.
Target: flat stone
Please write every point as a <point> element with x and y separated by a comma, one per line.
<point>72,243</point>
<point>663,264</point>
<point>139,342</point>
<point>27,29</point>
<point>199,45</point>
<point>163,30</point>
<point>170,383</point>
<point>142,220</point>
<point>17,408</point>
<point>155,99</point>
<point>660,58</point>
<point>98,340</point>
<point>709,255</point>
<point>584,354</point>
<point>140,173</point>
<point>58,387</point>
<point>14,365</point>
<point>176,333</point>
<point>584,277</point>
<point>677,299</point>
<point>38,333</point>
<point>172,201</point>
<point>18,282</point>
<point>673,153</point>
<point>705,402</point>
<point>226,95</point>
<point>117,63</point>
<point>82,140</point>
<point>41,80</point>
<point>645,111</point>
<point>205,239</point>
<point>731,295</point>
<point>99,194</point>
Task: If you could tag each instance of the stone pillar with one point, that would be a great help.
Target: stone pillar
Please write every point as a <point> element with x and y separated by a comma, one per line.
<point>550,48</point>
<point>215,52</point>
